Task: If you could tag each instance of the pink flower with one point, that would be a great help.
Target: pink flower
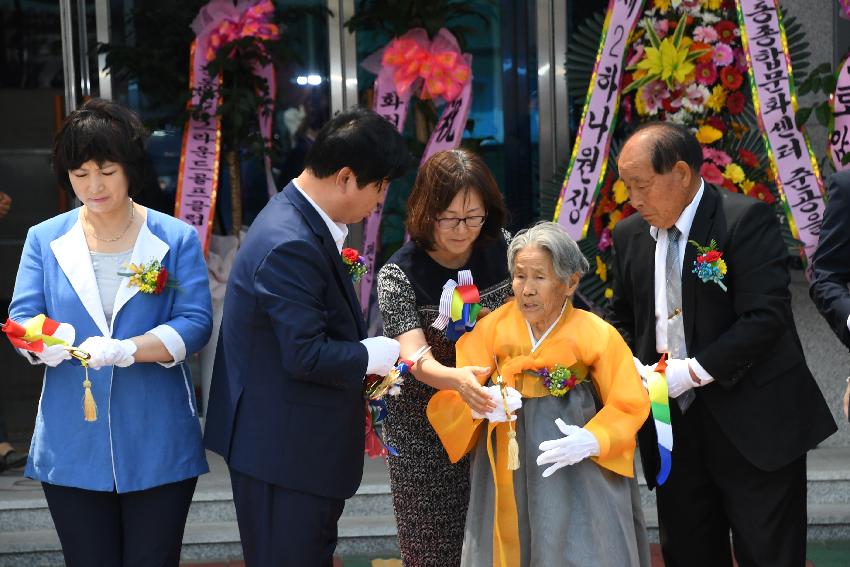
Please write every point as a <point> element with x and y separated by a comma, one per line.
<point>605,240</point>
<point>636,57</point>
<point>711,174</point>
<point>691,4</point>
<point>705,34</point>
<point>654,94</point>
<point>661,26</point>
<point>719,157</point>
<point>695,97</point>
<point>706,73</point>
<point>723,55</point>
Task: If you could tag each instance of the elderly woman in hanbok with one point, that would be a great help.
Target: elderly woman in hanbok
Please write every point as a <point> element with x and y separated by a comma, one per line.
<point>569,399</point>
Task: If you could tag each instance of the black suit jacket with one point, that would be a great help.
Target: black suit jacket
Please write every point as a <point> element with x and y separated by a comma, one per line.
<point>764,396</point>
<point>286,401</point>
<point>831,263</point>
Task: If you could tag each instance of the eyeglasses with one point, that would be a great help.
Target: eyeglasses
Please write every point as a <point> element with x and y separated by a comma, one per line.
<point>449,223</point>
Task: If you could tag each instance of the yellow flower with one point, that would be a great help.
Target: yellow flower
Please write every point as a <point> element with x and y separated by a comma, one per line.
<point>601,269</point>
<point>609,293</point>
<point>746,185</point>
<point>734,173</point>
<point>640,104</point>
<point>620,193</point>
<point>708,134</point>
<point>668,62</point>
<point>721,265</point>
<point>713,4</point>
<point>662,5</point>
<point>614,218</point>
<point>717,100</point>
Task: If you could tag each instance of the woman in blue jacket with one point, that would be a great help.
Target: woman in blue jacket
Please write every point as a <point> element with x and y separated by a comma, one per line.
<point>119,487</point>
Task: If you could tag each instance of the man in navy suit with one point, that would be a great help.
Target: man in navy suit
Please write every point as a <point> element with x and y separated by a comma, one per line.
<point>831,263</point>
<point>286,406</point>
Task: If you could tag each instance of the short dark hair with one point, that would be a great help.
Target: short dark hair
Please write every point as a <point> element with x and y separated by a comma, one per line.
<point>362,140</point>
<point>439,180</point>
<point>672,143</point>
<point>100,131</point>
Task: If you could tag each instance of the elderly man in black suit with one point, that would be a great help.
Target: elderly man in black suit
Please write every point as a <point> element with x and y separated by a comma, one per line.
<point>746,409</point>
<point>831,264</point>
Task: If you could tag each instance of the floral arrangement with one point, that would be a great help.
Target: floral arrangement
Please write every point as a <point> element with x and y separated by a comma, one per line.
<point>686,64</point>
<point>558,381</point>
<point>356,264</point>
<point>709,265</point>
<point>149,278</point>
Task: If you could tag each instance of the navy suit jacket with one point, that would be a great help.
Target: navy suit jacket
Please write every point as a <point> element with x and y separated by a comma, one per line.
<point>831,262</point>
<point>764,398</point>
<point>286,401</point>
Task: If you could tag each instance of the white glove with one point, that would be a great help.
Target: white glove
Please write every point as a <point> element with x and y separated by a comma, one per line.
<point>52,356</point>
<point>577,445</point>
<point>383,354</point>
<point>679,378</point>
<point>109,352</point>
<point>498,415</point>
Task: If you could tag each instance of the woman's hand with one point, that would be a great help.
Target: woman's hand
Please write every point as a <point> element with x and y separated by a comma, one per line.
<point>472,392</point>
<point>105,351</point>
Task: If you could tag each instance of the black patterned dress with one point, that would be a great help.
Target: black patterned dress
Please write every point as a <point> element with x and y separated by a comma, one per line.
<point>430,495</point>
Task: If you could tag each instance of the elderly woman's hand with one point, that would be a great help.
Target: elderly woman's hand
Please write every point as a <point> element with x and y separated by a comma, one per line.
<point>472,392</point>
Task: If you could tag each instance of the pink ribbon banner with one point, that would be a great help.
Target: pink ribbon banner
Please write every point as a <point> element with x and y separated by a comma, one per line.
<point>219,22</point>
<point>845,9</point>
<point>589,159</point>
<point>792,160</point>
<point>839,137</point>
<point>443,72</point>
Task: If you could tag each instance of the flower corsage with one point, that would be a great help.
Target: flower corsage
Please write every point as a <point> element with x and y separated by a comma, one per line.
<point>355,262</point>
<point>710,265</point>
<point>149,278</point>
<point>558,381</point>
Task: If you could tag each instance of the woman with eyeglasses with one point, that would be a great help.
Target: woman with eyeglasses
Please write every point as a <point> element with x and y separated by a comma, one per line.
<point>455,219</point>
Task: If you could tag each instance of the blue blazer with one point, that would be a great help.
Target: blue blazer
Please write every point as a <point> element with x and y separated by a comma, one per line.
<point>147,431</point>
<point>286,400</point>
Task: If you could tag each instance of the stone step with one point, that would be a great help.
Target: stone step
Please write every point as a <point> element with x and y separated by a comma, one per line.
<point>374,535</point>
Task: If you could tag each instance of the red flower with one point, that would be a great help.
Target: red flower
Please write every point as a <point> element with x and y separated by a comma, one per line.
<point>161,281</point>
<point>705,57</point>
<point>628,210</point>
<point>735,102</point>
<point>731,78</point>
<point>712,256</point>
<point>729,186</point>
<point>760,191</point>
<point>711,173</point>
<point>350,255</point>
<point>571,382</point>
<point>726,31</point>
<point>706,73</point>
<point>748,158</point>
<point>716,122</point>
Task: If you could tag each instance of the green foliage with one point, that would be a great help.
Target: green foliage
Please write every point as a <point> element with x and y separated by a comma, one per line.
<point>396,17</point>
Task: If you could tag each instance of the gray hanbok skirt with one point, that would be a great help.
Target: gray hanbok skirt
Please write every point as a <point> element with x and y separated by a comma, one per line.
<point>581,516</point>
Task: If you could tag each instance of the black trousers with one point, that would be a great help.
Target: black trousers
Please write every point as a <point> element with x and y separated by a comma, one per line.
<point>713,489</point>
<point>134,529</point>
<point>282,527</point>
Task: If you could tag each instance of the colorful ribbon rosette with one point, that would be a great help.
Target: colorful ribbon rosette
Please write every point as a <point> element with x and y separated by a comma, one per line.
<point>459,306</point>
<point>40,331</point>
<point>659,398</point>
<point>375,388</point>
<point>710,265</point>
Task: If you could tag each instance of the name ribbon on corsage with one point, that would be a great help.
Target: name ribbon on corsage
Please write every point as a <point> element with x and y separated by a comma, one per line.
<point>659,398</point>
<point>459,306</point>
<point>374,389</point>
<point>34,334</point>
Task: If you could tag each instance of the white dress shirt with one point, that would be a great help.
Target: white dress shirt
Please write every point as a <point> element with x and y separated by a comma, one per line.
<point>338,230</point>
<point>684,223</point>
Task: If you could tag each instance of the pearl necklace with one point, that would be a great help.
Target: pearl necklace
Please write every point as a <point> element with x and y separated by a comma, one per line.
<point>123,232</point>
